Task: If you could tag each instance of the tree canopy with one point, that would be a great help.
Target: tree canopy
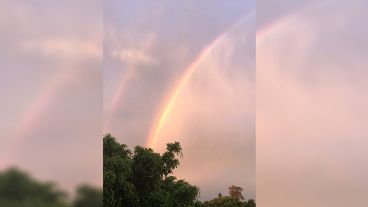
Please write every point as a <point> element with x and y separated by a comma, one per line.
<point>139,178</point>
<point>236,192</point>
<point>143,178</point>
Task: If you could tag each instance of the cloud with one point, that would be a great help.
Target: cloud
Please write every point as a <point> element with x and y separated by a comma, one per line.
<point>62,48</point>
<point>133,57</point>
<point>136,53</point>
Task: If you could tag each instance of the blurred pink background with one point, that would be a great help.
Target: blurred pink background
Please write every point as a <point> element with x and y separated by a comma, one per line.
<point>312,103</point>
<point>51,90</point>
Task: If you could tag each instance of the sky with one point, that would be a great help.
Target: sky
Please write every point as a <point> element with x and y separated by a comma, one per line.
<point>311,103</point>
<point>51,90</point>
<point>184,71</point>
<point>151,73</point>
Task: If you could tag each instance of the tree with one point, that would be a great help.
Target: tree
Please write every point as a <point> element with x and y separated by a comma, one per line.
<point>143,178</point>
<point>117,174</point>
<point>147,171</point>
<point>18,189</point>
<point>179,192</point>
<point>169,160</point>
<point>88,196</point>
<point>236,192</point>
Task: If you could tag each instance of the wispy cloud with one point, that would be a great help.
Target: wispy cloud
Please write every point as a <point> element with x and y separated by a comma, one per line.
<point>62,48</point>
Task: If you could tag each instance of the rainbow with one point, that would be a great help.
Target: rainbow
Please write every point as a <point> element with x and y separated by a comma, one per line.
<point>184,78</point>
<point>261,35</point>
<point>174,94</point>
<point>179,85</point>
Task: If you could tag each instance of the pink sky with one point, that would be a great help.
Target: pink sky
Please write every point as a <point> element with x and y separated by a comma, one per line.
<point>312,107</point>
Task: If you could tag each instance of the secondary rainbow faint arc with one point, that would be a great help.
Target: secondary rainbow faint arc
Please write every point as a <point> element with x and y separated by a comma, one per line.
<point>116,100</point>
<point>180,84</point>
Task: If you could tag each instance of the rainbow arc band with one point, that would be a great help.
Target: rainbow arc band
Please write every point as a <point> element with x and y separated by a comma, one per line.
<point>177,89</point>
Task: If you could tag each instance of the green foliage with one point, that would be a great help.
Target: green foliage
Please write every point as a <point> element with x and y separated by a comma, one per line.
<point>117,174</point>
<point>228,201</point>
<point>18,189</point>
<point>139,179</point>
<point>225,201</point>
<point>179,192</point>
<point>88,197</point>
<point>234,200</point>
<point>142,178</point>
<point>168,158</point>
<point>147,176</point>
